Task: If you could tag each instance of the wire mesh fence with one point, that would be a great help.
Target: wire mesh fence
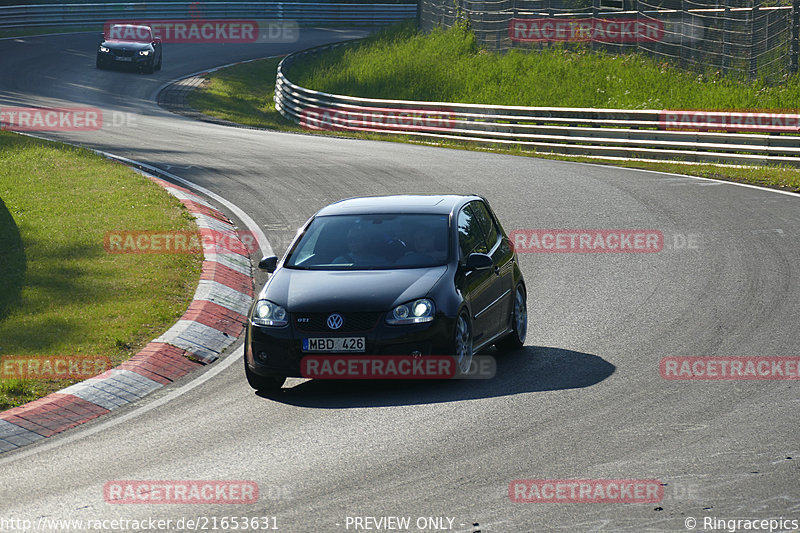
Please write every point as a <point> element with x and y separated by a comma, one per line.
<point>741,38</point>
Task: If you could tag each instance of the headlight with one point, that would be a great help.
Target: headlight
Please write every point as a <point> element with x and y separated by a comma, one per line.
<point>415,312</point>
<point>144,52</point>
<point>104,49</point>
<point>267,313</point>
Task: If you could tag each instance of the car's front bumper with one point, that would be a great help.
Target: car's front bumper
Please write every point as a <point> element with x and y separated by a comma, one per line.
<point>278,351</point>
<point>112,58</point>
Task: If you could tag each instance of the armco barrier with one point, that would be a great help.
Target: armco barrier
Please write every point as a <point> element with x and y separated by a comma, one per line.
<point>301,12</point>
<point>694,136</point>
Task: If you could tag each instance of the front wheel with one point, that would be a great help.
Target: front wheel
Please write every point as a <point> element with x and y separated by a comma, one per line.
<point>519,322</point>
<point>268,384</point>
<point>462,343</point>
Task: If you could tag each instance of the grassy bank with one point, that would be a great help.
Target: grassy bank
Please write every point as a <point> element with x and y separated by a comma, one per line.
<point>401,63</point>
<point>448,66</point>
<point>63,294</point>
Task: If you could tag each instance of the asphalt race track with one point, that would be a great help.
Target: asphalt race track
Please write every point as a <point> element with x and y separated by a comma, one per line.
<point>583,400</point>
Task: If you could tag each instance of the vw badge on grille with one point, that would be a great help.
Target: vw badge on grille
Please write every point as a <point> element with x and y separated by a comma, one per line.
<point>335,321</point>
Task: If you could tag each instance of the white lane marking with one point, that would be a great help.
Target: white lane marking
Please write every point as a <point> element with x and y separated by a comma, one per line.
<point>749,186</point>
<point>78,433</point>
<point>263,243</point>
<point>49,34</point>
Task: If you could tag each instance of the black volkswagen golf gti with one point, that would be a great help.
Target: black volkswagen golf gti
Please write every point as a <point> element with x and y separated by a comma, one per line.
<point>388,275</point>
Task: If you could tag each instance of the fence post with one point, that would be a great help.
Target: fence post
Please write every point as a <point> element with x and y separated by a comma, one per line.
<point>638,19</point>
<point>726,30</point>
<point>595,10</point>
<point>795,46</point>
<point>683,35</point>
<point>753,70</point>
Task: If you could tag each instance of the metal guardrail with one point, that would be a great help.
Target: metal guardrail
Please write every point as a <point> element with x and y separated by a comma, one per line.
<point>301,12</point>
<point>599,133</point>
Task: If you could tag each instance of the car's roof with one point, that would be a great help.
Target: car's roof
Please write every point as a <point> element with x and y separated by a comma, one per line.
<point>124,25</point>
<point>433,204</point>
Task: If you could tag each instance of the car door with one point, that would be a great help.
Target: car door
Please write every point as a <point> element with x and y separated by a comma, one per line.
<point>480,288</point>
<point>503,258</point>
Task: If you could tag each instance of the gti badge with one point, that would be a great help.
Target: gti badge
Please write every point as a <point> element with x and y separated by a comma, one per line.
<point>335,321</point>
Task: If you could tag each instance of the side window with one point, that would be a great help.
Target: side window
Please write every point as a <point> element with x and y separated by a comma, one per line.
<point>482,215</point>
<point>470,233</point>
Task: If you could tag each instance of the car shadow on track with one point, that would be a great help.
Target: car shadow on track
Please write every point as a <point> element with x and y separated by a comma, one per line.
<point>530,369</point>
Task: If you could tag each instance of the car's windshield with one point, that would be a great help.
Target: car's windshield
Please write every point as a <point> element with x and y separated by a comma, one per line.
<point>365,242</point>
<point>130,33</point>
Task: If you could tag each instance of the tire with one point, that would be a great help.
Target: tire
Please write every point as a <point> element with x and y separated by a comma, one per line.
<point>462,343</point>
<point>149,68</point>
<point>98,64</point>
<point>269,384</point>
<point>160,59</point>
<point>519,323</point>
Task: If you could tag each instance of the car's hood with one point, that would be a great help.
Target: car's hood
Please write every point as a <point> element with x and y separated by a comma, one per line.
<point>126,45</point>
<point>359,290</point>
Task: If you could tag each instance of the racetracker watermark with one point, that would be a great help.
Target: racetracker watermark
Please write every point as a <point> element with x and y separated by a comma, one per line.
<point>376,119</point>
<point>51,118</point>
<point>585,491</point>
<point>183,30</point>
<point>180,242</point>
<point>587,241</point>
<point>585,29</point>
<point>53,366</point>
<point>395,367</point>
<point>729,121</point>
<point>730,368</point>
<point>63,119</point>
<point>180,492</point>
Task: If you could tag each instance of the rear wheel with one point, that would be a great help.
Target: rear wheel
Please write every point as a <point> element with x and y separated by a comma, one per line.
<point>519,322</point>
<point>263,383</point>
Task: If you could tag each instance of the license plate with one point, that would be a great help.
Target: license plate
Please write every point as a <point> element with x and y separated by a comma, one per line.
<point>334,344</point>
<point>128,59</point>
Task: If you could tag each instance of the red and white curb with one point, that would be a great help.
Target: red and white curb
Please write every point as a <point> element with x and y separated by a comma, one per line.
<point>213,321</point>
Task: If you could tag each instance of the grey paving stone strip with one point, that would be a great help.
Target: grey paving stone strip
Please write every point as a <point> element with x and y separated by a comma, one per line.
<point>223,295</point>
<point>15,436</point>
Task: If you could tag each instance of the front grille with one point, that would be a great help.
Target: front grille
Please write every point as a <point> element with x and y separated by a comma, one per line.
<point>317,322</point>
<point>124,53</point>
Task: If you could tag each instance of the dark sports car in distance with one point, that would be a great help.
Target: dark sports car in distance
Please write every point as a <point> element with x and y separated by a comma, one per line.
<point>130,45</point>
<point>388,275</point>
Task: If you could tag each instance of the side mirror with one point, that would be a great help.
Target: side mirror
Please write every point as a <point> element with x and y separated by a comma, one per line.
<point>479,262</point>
<point>268,263</point>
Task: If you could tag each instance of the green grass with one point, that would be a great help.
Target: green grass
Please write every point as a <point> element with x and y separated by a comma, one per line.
<point>447,66</point>
<point>63,294</point>
<point>242,94</point>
